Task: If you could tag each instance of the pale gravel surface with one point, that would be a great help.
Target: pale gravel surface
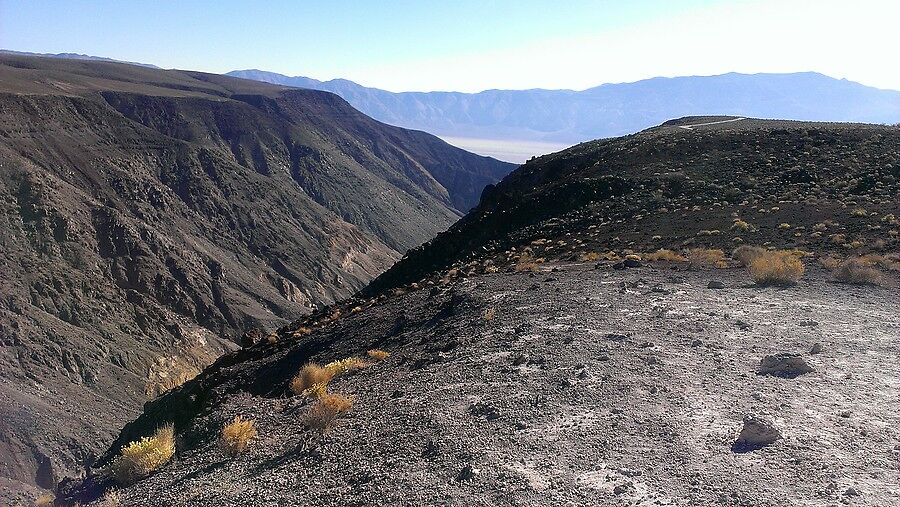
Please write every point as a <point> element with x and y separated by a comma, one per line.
<point>632,390</point>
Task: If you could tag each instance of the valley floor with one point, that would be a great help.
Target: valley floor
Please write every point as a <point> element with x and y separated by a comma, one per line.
<point>572,386</point>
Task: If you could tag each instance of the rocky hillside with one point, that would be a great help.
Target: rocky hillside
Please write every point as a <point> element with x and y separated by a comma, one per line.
<point>698,182</point>
<point>517,359</point>
<point>152,217</point>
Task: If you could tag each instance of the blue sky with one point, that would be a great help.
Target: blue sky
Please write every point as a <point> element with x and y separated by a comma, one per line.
<point>471,45</point>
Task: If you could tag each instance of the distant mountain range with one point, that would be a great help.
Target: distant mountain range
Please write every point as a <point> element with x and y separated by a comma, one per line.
<point>515,124</point>
<point>76,56</point>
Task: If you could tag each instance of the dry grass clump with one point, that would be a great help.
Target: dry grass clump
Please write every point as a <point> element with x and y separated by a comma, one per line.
<point>489,314</point>
<point>346,365</point>
<point>310,375</point>
<point>830,262</point>
<point>746,253</point>
<point>589,257</point>
<point>780,268</point>
<point>45,500</point>
<point>742,226</point>
<point>665,255</point>
<point>140,458</point>
<point>324,413</point>
<point>526,263</point>
<point>237,434</point>
<point>378,354</point>
<point>858,272</point>
<point>112,498</point>
<point>707,257</point>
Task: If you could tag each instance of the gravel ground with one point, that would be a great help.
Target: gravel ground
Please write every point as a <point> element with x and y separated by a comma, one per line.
<point>583,386</point>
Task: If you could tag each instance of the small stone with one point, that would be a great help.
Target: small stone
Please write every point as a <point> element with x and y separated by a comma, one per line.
<point>758,396</point>
<point>851,492</point>
<point>817,348</point>
<point>485,410</point>
<point>619,266</point>
<point>397,394</point>
<point>785,364</point>
<point>696,343</point>
<point>467,473</point>
<point>631,263</point>
<point>756,434</point>
<point>715,284</point>
<point>621,488</point>
<point>431,450</point>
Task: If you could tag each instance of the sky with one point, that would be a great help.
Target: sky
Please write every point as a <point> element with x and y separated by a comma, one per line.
<point>473,45</point>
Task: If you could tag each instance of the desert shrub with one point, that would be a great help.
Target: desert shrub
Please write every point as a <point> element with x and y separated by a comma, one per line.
<point>489,314</point>
<point>309,375</point>
<point>707,257</point>
<point>316,390</point>
<point>746,253</point>
<point>664,255</point>
<point>858,272</point>
<point>776,268</point>
<point>378,354</point>
<point>237,434</point>
<point>111,498</point>
<point>140,458</point>
<point>859,212</point>
<point>526,263</point>
<point>325,411</point>
<point>346,365</point>
<point>830,262</point>
<point>742,226</point>
<point>589,257</point>
<point>45,500</point>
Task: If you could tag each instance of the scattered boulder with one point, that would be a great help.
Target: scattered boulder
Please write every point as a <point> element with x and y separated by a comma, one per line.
<point>756,434</point>
<point>467,473</point>
<point>631,263</point>
<point>715,284</point>
<point>481,409</point>
<point>784,364</point>
<point>431,449</point>
<point>619,265</point>
<point>251,337</point>
<point>817,348</point>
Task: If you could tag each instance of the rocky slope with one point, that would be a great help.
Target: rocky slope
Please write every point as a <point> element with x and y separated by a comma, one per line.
<point>567,381</point>
<point>151,217</point>
<point>821,187</point>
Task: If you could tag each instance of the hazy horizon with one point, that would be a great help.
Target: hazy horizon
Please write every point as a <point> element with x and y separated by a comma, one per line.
<point>472,46</point>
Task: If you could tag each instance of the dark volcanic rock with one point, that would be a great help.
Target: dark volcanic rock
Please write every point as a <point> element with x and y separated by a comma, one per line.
<point>783,364</point>
<point>756,433</point>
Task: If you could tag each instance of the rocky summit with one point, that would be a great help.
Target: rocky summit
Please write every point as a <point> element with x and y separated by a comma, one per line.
<point>703,313</point>
<point>152,218</point>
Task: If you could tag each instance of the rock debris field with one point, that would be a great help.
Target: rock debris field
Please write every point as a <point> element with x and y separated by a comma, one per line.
<point>575,385</point>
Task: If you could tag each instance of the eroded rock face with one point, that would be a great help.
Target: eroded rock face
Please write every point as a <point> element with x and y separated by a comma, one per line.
<point>756,433</point>
<point>189,206</point>
<point>784,364</point>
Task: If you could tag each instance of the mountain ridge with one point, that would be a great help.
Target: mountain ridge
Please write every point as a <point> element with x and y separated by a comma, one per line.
<point>613,109</point>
